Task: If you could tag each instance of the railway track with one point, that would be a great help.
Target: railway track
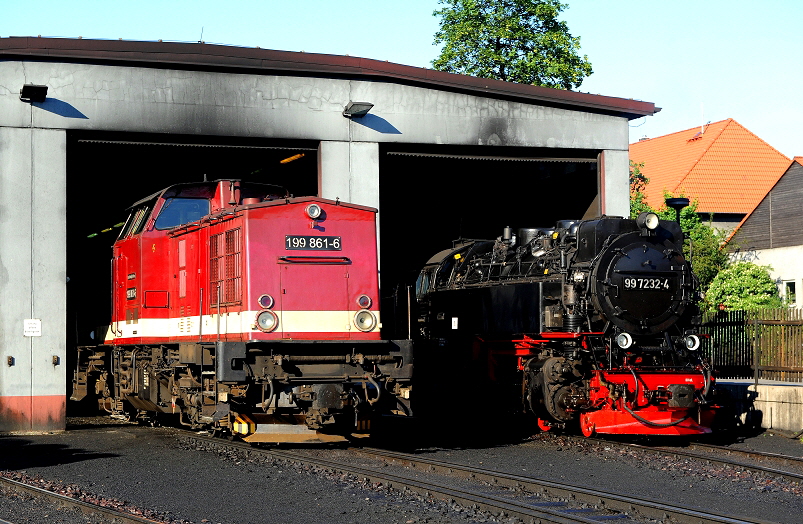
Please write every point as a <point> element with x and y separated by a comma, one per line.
<point>710,454</point>
<point>102,514</point>
<point>529,500</point>
<point>754,455</point>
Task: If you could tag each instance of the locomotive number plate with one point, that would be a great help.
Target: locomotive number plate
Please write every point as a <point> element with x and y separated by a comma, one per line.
<point>311,242</point>
<point>660,284</point>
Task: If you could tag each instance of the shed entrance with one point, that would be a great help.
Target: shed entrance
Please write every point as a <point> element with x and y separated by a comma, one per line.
<point>107,172</point>
<point>430,198</point>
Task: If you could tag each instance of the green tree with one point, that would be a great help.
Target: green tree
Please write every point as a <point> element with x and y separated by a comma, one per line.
<point>638,183</point>
<point>743,285</point>
<point>703,246</point>
<point>514,40</point>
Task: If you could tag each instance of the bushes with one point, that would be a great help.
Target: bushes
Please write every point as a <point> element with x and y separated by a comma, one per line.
<point>743,285</point>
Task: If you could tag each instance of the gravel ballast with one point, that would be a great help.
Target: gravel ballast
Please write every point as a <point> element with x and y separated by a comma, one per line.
<point>153,469</point>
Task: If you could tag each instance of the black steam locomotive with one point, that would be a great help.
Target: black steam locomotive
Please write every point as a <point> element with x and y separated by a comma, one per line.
<point>589,321</point>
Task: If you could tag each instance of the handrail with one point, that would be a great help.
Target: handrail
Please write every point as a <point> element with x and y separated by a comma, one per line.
<point>314,260</point>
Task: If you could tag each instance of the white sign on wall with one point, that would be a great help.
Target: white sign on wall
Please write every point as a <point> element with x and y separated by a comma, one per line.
<point>32,327</point>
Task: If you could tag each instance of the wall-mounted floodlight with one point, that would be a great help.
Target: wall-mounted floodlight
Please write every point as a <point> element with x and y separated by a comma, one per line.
<point>677,204</point>
<point>357,109</point>
<point>33,93</point>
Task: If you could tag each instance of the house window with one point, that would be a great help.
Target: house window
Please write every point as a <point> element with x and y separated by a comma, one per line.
<point>789,292</point>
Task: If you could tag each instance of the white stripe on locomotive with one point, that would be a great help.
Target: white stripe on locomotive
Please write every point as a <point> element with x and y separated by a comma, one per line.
<point>238,322</point>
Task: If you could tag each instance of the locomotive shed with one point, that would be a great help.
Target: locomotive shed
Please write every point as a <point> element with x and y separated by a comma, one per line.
<point>105,123</point>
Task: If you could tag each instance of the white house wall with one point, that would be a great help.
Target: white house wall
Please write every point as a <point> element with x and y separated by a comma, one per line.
<point>786,265</point>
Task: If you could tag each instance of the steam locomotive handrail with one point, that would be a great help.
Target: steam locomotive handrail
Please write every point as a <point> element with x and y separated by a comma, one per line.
<point>652,273</point>
<point>567,334</point>
<point>314,260</point>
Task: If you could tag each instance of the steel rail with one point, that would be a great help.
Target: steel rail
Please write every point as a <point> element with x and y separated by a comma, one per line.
<point>107,514</point>
<point>644,507</point>
<point>755,455</point>
<point>554,510</point>
<point>752,454</point>
<point>528,512</point>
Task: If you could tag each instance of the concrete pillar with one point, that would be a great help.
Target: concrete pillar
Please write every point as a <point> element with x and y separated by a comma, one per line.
<point>32,279</point>
<point>360,160</point>
<point>614,182</point>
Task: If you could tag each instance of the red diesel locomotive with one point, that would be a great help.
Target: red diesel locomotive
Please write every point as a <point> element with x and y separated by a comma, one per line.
<point>238,308</point>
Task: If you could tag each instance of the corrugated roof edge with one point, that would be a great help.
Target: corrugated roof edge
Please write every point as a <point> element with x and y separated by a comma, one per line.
<point>220,57</point>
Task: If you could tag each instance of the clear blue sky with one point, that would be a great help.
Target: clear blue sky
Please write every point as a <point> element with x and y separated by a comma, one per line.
<point>700,61</point>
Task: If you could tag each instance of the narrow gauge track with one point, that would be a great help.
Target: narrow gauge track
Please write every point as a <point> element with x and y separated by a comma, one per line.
<point>710,457</point>
<point>551,502</point>
<point>751,454</point>
<point>109,515</point>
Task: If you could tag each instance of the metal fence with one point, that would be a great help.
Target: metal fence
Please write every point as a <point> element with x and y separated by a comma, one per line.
<point>760,344</point>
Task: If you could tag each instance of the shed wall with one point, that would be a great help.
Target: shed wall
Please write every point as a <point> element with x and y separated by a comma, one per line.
<point>32,278</point>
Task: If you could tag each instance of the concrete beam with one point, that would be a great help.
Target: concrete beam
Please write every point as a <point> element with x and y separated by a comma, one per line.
<point>614,183</point>
<point>349,171</point>
<point>117,98</point>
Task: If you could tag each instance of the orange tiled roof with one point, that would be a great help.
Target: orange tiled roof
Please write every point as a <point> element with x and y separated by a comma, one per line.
<point>727,169</point>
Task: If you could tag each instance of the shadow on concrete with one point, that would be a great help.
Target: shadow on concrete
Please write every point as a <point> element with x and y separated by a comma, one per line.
<point>736,418</point>
<point>18,453</point>
<point>378,124</point>
<point>59,107</point>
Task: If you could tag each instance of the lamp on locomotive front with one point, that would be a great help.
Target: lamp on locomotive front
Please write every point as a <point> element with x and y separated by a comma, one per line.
<point>647,221</point>
<point>313,211</point>
<point>624,340</point>
<point>692,342</point>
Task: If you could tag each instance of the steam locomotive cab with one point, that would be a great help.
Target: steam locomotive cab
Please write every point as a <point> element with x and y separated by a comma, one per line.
<point>595,315</point>
<point>238,308</point>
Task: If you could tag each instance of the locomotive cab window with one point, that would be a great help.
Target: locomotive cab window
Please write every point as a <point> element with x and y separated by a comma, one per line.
<point>422,283</point>
<point>136,221</point>
<point>180,211</point>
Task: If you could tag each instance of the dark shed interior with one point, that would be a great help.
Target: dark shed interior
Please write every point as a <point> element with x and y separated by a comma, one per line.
<point>429,197</point>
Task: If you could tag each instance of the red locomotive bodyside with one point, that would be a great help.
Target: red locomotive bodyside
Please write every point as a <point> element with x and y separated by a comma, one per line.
<point>207,271</point>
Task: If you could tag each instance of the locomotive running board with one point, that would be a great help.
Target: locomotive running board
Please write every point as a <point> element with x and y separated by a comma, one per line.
<point>611,422</point>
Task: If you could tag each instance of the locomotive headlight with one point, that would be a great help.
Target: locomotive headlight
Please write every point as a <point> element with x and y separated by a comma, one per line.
<point>313,211</point>
<point>267,321</point>
<point>624,340</point>
<point>692,342</point>
<point>364,320</point>
<point>364,301</point>
<point>265,301</point>
<point>647,220</point>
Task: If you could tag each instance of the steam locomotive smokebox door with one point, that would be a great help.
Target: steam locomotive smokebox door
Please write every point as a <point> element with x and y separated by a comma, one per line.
<point>229,361</point>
